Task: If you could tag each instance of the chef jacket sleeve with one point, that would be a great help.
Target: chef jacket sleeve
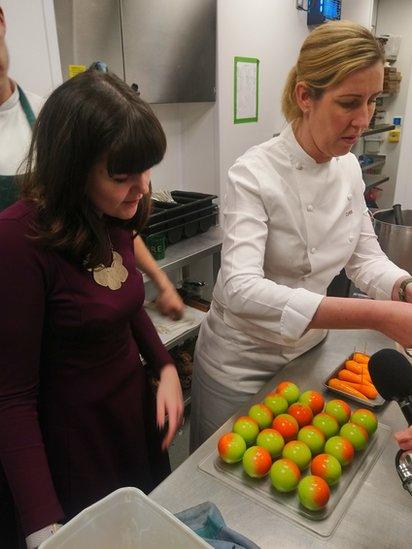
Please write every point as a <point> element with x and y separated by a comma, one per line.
<point>282,310</point>
<point>22,453</point>
<point>369,268</point>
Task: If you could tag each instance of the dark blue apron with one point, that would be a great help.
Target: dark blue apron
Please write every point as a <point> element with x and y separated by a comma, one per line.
<point>9,191</point>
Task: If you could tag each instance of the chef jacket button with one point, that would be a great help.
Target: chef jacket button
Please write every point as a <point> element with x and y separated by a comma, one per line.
<point>309,207</point>
<point>298,166</point>
<point>313,250</point>
<point>349,196</point>
<point>350,238</point>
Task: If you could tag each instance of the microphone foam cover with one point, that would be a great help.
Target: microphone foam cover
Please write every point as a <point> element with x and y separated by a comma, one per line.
<point>391,373</point>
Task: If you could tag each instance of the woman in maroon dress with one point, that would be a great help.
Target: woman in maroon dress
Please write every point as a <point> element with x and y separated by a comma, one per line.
<point>76,416</point>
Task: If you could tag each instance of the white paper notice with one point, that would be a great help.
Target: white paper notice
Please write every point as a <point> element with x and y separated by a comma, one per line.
<point>246,87</point>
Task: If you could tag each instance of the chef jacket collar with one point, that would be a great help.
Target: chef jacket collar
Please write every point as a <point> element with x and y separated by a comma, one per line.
<point>299,158</point>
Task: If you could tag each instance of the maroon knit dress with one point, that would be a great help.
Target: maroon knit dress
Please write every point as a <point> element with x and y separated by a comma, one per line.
<point>77,419</point>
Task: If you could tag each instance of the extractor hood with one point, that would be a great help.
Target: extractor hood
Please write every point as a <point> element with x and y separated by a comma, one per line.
<point>166,47</point>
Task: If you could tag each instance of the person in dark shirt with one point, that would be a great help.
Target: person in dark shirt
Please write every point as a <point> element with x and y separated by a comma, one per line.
<point>77,419</point>
<point>18,111</point>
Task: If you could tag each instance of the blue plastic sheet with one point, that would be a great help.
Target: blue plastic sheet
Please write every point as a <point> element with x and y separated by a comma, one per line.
<point>207,521</point>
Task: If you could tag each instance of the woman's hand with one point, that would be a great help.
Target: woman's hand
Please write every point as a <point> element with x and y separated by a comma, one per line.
<point>169,302</point>
<point>169,401</point>
<point>404,439</point>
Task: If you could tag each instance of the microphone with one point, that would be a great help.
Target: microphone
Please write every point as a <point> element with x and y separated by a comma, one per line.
<point>391,373</point>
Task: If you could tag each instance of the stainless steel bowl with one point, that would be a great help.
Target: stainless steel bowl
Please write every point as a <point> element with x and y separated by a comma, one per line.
<point>395,240</point>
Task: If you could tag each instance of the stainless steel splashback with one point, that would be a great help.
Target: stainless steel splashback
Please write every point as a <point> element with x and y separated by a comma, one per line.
<point>166,47</point>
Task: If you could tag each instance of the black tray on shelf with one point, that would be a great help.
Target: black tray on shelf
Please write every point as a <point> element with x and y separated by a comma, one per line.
<point>186,228</point>
<point>186,202</point>
<point>193,213</point>
<point>178,220</point>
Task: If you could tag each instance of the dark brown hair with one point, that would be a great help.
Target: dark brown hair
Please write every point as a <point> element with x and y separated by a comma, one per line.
<point>90,115</point>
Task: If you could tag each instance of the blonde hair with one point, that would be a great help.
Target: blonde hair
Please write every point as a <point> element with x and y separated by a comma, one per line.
<point>327,56</point>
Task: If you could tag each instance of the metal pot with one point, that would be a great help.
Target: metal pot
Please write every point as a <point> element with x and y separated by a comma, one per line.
<point>395,240</point>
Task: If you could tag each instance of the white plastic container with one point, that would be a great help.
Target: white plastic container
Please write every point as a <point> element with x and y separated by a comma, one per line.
<point>125,519</point>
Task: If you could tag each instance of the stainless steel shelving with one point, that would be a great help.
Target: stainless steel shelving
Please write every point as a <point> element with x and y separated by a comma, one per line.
<point>174,332</point>
<point>374,180</point>
<point>376,164</point>
<point>186,251</point>
<point>181,255</point>
<point>379,128</point>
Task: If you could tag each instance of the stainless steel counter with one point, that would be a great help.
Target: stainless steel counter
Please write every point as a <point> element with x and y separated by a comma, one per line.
<point>380,515</point>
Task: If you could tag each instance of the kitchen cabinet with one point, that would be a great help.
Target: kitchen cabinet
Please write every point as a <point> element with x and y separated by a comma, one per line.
<point>166,47</point>
<point>181,256</point>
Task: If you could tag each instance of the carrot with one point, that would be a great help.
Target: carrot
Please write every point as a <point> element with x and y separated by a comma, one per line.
<point>362,358</point>
<point>353,366</point>
<point>365,388</point>
<point>347,375</point>
<point>366,374</point>
<point>345,387</point>
<point>363,378</point>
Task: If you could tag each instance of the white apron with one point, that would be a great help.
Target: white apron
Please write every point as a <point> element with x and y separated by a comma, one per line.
<point>221,352</point>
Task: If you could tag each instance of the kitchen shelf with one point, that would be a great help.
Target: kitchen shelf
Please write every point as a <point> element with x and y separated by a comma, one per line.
<point>182,337</point>
<point>187,397</point>
<point>182,254</point>
<point>379,128</point>
<point>174,332</point>
<point>190,249</point>
<point>375,164</point>
<point>374,180</point>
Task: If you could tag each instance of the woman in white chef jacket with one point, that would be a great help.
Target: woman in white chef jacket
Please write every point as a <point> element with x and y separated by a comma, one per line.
<point>293,217</point>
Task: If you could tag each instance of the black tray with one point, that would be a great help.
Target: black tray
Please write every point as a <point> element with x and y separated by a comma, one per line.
<point>173,234</point>
<point>179,220</point>
<point>186,202</point>
<point>370,403</point>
